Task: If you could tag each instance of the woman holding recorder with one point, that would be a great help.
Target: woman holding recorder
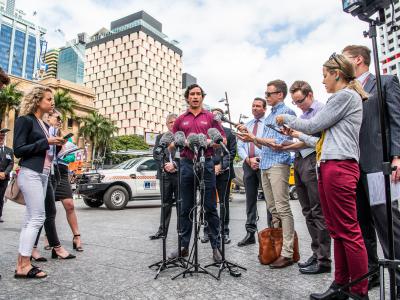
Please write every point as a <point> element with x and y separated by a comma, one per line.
<point>338,172</point>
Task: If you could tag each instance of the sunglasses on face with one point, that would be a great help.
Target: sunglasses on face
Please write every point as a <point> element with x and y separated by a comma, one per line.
<point>269,94</point>
<point>300,101</point>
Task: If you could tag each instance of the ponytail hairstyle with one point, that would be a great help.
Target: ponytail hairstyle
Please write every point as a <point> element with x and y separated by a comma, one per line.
<point>338,62</point>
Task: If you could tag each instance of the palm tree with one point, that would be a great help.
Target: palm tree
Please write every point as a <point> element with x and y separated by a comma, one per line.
<point>99,130</point>
<point>64,103</point>
<point>10,98</point>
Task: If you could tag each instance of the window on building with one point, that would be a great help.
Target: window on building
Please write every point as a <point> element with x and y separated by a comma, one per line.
<point>393,67</point>
<point>70,123</point>
<point>391,49</point>
<point>5,45</point>
<point>390,41</point>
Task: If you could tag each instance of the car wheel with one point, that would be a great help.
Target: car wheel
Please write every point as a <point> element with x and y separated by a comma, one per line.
<point>93,202</point>
<point>116,197</point>
<point>293,193</point>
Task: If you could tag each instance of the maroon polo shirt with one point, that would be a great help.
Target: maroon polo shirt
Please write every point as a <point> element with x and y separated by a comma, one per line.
<point>189,123</point>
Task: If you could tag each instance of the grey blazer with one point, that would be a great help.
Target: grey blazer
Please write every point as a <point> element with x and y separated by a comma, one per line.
<point>370,134</point>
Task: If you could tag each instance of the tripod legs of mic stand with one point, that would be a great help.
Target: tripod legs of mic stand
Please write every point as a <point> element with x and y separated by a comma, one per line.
<point>193,260</point>
<point>165,263</point>
<point>224,264</point>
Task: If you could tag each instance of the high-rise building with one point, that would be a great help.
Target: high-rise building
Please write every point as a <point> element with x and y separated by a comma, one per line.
<point>390,42</point>
<point>71,59</point>
<point>20,42</point>
<point>70,64</point>
<point>136,72</point>
<point>51,60</point>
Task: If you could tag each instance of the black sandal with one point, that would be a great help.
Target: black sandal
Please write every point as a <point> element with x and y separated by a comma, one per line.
<point>39,259</point>
<point>55,255</point>
<point>74,245</point>
<point>32,274</point>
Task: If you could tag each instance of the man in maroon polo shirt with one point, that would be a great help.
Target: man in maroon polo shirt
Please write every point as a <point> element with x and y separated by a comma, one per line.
<point>197,120</point>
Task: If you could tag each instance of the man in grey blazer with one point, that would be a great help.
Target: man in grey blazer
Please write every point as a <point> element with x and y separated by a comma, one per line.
<point>373,219</point>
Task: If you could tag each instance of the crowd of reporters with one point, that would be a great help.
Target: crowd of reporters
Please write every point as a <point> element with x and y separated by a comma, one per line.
<point>337,144</point>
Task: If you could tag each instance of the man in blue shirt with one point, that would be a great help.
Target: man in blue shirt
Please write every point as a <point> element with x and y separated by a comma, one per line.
<point>275,169</point>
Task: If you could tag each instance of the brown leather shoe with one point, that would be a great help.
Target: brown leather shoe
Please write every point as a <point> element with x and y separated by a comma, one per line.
<point>281,262</point>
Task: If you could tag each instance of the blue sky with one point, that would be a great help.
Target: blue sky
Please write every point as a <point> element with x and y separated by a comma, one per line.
<point>229,45</point>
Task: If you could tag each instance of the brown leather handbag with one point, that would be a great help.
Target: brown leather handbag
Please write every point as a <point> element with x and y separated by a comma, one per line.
<point>270,245</point>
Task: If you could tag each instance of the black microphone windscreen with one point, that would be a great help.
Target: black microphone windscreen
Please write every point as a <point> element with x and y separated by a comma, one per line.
<point>193,141</point>
<point>215,135</point>
<point>179,139</point>
<point>167,138</point>
<point>218,117</point>
<point>202,140</point>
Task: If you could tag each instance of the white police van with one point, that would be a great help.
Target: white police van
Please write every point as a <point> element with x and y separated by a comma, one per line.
<point>134,179</point>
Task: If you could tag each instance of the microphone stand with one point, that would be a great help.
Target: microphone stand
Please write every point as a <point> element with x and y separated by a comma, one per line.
<point>182,262</point>
<point>195,267</point>
<point>225,264</point>
<point>164,263</point>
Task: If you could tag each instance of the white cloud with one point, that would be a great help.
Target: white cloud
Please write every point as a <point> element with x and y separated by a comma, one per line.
<point>229,45</point>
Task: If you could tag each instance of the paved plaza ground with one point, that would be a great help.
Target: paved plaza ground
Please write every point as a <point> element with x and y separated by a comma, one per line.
<point>118,251</point>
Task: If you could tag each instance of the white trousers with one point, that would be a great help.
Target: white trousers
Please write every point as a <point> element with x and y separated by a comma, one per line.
<point>33,186</point>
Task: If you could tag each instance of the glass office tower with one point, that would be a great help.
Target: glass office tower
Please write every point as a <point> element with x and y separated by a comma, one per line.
<point>20,42</point>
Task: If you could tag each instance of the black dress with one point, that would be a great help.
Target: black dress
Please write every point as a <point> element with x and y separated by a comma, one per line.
<point>63,190</point>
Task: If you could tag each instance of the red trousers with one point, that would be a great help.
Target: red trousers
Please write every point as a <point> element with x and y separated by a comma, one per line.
<point>337,188</point>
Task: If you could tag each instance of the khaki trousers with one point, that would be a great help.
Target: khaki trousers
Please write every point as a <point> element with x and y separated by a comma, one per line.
<point>275,183</point>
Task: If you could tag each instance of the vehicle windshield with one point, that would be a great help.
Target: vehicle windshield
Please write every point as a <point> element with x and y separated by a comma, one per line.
<point>127,164</point>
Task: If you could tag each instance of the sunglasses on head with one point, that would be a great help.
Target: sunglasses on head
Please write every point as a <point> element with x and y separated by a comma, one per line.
<point>335,58</point>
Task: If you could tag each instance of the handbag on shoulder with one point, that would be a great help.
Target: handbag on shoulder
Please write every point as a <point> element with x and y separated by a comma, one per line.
<point>13,193</point>
<point>270,242</point>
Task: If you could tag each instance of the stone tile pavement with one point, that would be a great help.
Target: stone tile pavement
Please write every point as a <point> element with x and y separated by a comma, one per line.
<point>117,253</point>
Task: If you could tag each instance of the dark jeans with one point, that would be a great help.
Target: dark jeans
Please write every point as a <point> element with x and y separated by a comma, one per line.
<point>51,211</point>
<point>305,176</point>
<point>170,196</point>
<point>223,190</point>
<point>373,221</point>
<point>252,181</point>
<point>3,187</point>
<point>189,184</point>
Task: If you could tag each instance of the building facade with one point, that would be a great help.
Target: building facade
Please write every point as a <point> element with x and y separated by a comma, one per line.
<point>390,42</point>
<point>20,42</point>
<point>51,60</point>
<point>84,96</point>
<point>136,73</point>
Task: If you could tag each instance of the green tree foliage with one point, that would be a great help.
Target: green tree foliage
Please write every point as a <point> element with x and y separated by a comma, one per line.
<point>10,98</point>
<point>64,103</point>
<point>99,130</point>
<point>123,143</point>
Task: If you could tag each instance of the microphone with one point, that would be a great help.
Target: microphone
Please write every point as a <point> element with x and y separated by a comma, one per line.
<point>203,141</point>
<point>194,142</point>
<point>217,138</point>
<point>180,139</point>
<point>221,118</point>
<point>166,139</point>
